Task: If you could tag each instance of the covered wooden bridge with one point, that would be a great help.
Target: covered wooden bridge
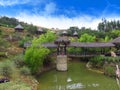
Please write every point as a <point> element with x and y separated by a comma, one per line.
<point>62,47</point>
<point>88,49</point>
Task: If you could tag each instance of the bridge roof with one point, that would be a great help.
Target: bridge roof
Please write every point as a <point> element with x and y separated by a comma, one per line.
<point>76,44</point>
<point>91,44</point>
<point>49,45</point>
<point>116,40</point>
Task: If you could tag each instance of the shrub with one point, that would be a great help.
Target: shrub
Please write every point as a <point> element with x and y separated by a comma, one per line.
<point>112,59</point>
<point>15,86</point>
<point>36,54</point>
<point>34,57</point>
<point>19,60</point>
<point>97,61</point>
<point>6,68</point>
<point>25,71</point>
<point>110,71</point>
<point>25,39</point>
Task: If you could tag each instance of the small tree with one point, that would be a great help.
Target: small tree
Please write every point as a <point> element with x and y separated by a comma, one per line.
<point>35,55</point>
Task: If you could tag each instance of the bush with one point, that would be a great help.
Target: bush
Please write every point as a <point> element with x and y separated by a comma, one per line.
<point>112,59</point>
<point>34,57</point>
<point>36,54</point>
<point>25,39</point>
<point>97,61</point>
<point>25,71</point>
<point>6,68</point>
<point>19,61</point>
<point>17,85</point>
<point>110,71</point>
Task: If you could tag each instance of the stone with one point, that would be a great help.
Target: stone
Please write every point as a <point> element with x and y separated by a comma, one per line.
<point>61,63</point>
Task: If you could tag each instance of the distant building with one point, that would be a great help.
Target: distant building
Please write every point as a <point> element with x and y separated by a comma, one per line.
<point>19,28</point>
<point>75,34</point>
<point>64,33</point>
<point>39,31</point>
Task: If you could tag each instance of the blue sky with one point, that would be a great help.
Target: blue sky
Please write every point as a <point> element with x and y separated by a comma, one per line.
<point>61,13</point>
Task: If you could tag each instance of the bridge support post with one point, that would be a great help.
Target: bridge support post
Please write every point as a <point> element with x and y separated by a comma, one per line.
<point>61,63</point>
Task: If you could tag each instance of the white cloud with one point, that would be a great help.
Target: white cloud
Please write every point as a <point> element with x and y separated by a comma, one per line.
<point>12,2</point>
<point>60,22</point>
<point>50,8</point>
<point>16,2</point>
<point>63,22</point>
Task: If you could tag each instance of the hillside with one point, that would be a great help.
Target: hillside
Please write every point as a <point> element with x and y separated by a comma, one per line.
<point>9,42</point>
<point>11,58</point>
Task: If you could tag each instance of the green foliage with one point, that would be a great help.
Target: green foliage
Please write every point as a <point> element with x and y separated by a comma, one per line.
<point>3,43</point>
<point>48,60</point>
<point>3,54</point>
<point>107,26</point>
<point>106,39</point>
<point>19,60</point>
<point>8,22</point>
<point>35,55</point>
<point>72,39</point>
<point>97,61</point>
<point>25,39</point>
<point>72,50</point>
<point>71,30</point>
<point>87,38</point>
<point>6,68</point>
<point>31,28</point>
<point>111,59</point>
<point>44,38</point>
<point>12,22</point>
<point>110,71</point>
<point>25,71</point>
<point>115,33</point>
<point>17,85</point>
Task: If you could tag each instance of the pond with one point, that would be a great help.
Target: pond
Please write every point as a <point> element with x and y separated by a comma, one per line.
<point>76,78</point>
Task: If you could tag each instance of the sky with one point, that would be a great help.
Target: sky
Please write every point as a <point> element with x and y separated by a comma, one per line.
<point>61,14</point>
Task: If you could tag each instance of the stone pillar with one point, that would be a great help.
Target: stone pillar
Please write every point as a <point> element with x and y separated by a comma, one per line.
<point>61,63</point>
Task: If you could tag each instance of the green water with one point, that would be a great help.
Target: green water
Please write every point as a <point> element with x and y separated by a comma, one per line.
<point>76,78</point>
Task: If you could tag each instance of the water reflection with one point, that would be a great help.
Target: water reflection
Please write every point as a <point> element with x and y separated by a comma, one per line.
<point>75,86</point>
<point>69,79</point>
<point>76,78</point>
<point>70,84</point>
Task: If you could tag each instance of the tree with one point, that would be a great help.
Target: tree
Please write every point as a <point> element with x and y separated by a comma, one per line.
<point>106,39</point>
<point>71,30</point>
<point>34,57</point>
<point>36,54</point>
<point>31,28</point>
<point>44,38</point>
<point>87,38</point>
<point>116,33</point>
